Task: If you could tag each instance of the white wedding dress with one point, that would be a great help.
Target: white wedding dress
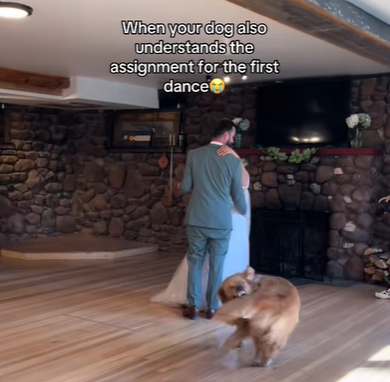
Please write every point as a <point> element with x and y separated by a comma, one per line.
<point>237,259</point>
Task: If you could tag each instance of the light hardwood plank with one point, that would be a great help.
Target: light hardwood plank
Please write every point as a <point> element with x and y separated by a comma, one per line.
<point>92,322</point>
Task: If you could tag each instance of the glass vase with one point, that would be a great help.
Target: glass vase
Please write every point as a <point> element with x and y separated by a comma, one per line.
<point>356,141</point>
<point>237,141</point>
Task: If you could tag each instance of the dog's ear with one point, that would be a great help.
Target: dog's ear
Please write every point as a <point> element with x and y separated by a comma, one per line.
<point>222,295</point>
<point>257,282</point>
<point>249,274</point>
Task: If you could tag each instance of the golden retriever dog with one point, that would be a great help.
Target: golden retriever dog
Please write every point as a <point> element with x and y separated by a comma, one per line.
<point>263,308</point>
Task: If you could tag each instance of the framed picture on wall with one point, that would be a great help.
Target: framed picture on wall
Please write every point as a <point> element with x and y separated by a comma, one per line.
<point>145,129</point>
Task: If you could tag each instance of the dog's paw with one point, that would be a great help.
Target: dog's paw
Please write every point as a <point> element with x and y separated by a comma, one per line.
<point>257,364</point>
<point>261,363</point>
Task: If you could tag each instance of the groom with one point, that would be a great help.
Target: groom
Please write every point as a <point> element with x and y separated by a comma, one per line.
<point>215,181</point>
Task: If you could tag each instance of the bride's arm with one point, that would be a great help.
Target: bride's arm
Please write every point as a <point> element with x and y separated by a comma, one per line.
<point>245,177</point>
<point>226,150</point>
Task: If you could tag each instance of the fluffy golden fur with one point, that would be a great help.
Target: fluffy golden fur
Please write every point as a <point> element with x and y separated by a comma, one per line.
<point>263,308</point>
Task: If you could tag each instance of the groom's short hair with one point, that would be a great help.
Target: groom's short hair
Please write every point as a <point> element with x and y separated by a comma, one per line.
<point>225,125</point>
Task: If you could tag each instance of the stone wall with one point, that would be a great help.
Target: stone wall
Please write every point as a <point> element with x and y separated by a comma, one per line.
<point>37,178</point>
<point>60,178</point>
<point>127,196</point>
<point>372,96</point>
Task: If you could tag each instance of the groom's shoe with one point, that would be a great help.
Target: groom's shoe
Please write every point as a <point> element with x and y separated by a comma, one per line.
<point>210,313</point>
<point>191,312</point>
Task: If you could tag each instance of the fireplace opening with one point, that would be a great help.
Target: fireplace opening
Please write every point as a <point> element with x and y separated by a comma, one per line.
<point>289,243</point>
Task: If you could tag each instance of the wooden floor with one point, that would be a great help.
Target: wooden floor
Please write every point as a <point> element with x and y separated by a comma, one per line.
<point>92,322</point>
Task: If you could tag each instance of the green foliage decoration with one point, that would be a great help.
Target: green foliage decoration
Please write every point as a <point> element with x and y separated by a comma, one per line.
<point>295,157</point>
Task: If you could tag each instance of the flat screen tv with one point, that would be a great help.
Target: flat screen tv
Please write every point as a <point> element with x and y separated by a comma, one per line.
<point>306,113</point>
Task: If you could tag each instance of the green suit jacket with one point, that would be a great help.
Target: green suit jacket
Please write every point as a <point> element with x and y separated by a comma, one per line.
<point>215,182</point>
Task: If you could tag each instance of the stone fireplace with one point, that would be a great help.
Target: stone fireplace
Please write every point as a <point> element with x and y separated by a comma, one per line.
<point>345,185</point>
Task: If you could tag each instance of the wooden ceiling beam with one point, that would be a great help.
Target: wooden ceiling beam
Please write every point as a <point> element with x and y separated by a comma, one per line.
<point>31,82</point>
<point>335,21</point>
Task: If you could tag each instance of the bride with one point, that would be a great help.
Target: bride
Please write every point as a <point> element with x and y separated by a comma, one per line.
<point>236,260</point>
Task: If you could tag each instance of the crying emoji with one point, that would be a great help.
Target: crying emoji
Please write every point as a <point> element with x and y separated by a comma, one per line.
<point>217,86</point>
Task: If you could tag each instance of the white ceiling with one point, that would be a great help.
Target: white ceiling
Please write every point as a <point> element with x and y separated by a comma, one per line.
<point>377,8</point>
<point>80,38</point>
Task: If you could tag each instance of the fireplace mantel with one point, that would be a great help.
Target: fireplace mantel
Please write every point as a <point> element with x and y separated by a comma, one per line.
<point>320,152</point>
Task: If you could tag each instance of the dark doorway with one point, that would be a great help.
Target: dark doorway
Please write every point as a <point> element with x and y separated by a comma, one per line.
<point>289,243</point>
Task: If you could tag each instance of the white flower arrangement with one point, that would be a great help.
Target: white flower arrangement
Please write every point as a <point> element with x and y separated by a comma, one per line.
<point>241,124</point>
<point>359,120</point>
